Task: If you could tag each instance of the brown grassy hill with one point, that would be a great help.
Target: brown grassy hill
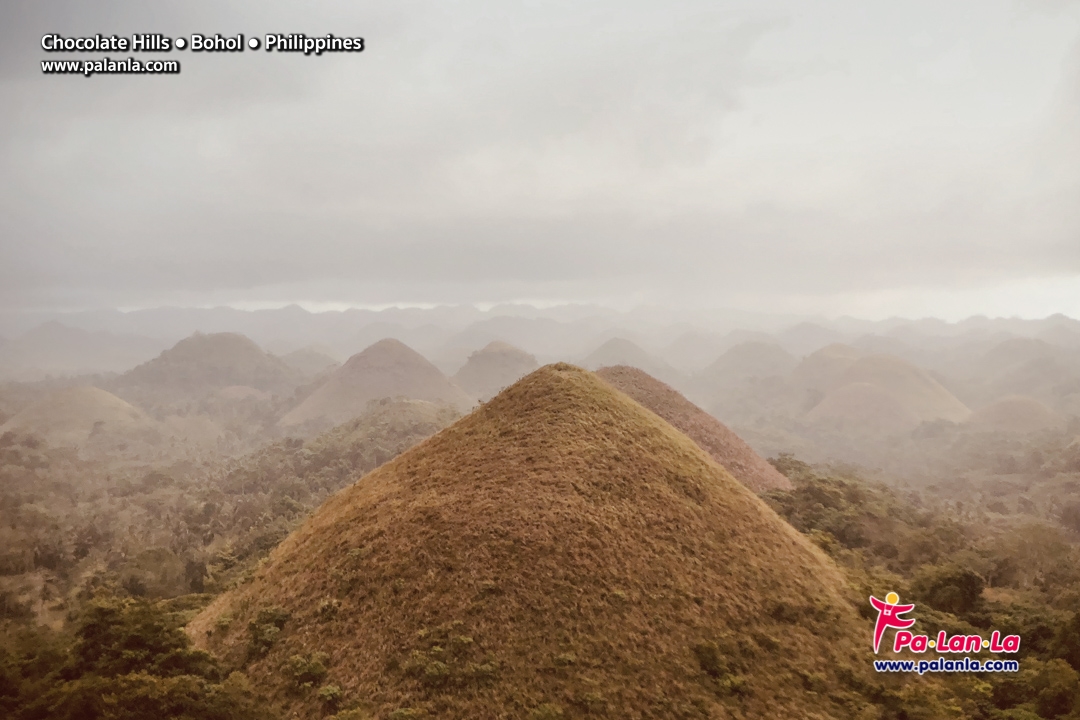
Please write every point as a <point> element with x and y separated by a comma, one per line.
<point>619,351</point>
<point>713,436</point>
<point>200,364</point>
<point>920,394</point>
<point>389,368</point>
<point>862,407</point>
<point>497,366</point>
<point>1016,414</point>
<point>559,552</point>
<point>821,369</point>
<point>76,416</point>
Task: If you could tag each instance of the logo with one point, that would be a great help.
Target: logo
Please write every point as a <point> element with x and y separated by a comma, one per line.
<point>889,611</point>
<point>889,616</point>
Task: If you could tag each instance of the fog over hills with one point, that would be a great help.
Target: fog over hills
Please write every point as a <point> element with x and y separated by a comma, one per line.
<point>538,361</point>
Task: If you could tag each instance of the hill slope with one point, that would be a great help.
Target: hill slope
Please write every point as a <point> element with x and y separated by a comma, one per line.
<point>862,407</point>
<point>821,369</point>
<point>1017,414</point>
<point>58,350</point>
<point>389,368</point>
<point>749,360</point>
<point>497,366</point>
<point>919,393</point>
<point>311,360</point>
<point>70,417</point>
<point>559,552</point>
<point>710,434</point>
<point>619,351</point>
<point>201,364</point>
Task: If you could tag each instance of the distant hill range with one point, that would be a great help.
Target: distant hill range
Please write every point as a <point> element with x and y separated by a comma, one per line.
<point>54,349</point>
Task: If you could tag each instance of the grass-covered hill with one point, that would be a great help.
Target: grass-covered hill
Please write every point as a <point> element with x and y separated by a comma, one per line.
<point>203,364</point>
<point>713,436</point>
<point>77,416</point>
<point>387,369</point>
<point>560,552</point>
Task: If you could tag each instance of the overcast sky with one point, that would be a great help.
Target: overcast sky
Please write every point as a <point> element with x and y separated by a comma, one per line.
<point>836,156</point>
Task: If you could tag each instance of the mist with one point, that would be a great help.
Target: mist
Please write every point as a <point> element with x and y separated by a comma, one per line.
<point>914,160</point>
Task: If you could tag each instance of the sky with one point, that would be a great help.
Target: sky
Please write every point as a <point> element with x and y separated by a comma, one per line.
<point>839,157</point>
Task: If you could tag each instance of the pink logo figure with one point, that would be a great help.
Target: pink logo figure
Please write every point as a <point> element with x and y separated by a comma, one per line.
<point>889,612</point>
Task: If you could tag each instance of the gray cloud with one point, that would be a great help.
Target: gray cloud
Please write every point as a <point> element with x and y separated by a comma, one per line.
<point>690,153</point>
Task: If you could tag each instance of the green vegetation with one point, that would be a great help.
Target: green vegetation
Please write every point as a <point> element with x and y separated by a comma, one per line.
<point>539,565</point>
<point>1018,577</point>
<point>124,659</point>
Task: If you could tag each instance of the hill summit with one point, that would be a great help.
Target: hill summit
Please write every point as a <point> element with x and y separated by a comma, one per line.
<point>497,366</point>
<point>882,392</point>
<point>389,368</point>
<point>713,436</point>
<point>559,552</point>
<point>202,363</point>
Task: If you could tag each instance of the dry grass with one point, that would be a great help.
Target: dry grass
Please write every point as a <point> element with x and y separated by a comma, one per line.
<point>1016,414</point>
<point>713,436</point>
<point>560,552</point>
<point>70,417</point>
<point>912,386</point>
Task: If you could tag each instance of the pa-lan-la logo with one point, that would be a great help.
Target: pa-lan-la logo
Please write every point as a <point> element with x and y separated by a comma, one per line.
<point>889,616</point>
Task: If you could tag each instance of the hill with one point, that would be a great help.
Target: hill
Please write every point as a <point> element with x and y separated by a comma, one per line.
<point>807,337</point>
<point>311,360</point>
<point>724,446</point>
<point>863,408</point>
<point>58,350</point>
<point>692,351</point>
<point>919,393</point>
<point>561,551</point>
<point>618,351</point>
<point>201,364</point>
<point>76,416</point>
<point>389,368</point>
<point>749,360</point>
<point>821,369</point>
<point>1016,414</point>
<point>497,366</point>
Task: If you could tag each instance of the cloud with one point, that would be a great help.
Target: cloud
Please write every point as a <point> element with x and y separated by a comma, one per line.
<point>485,152</point>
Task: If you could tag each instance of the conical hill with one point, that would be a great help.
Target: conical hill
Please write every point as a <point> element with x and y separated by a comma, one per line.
<point>493,368</point>
<point>713,436</point>
<point>74,416</point>
<point>559,552</point>
<point>389,368</point>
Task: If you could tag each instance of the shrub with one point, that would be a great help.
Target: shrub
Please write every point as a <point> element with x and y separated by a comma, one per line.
<point>949,588</point>
<point>709,658</point>
<point>306,671</point>
<point>330,695</point>
<point>264,630</point>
